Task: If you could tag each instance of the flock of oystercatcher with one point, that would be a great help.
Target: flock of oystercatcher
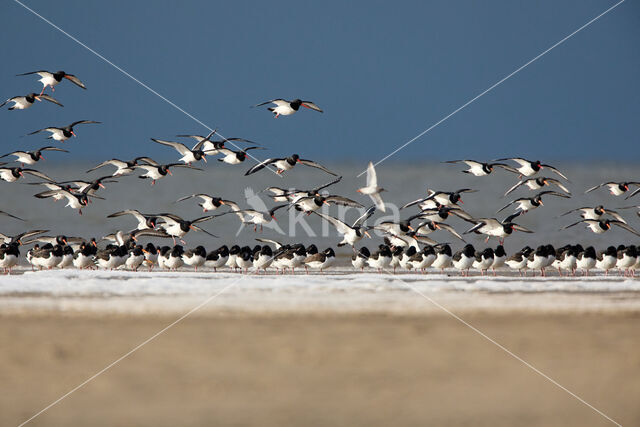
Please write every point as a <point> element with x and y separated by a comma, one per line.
<point>407,244</point>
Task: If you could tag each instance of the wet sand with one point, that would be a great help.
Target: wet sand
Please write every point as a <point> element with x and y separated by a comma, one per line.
<point>320,369</point>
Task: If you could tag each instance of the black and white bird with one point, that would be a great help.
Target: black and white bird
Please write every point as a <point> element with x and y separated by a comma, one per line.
<point>62,133</point>
<point>586,260</point>
<point>145,222</point>
<point>124,167</point>
<point>89,186</point>
<point>483,260</point>
<point>217,258</point>
<point>359,259</point>
<point>607,259</point>
<point>31,157</point>
<point>156,172</point>
<point>287,108</point>
<point>75,200</point>
<point>436,199</point>
<point>491,227</point>
<point>9,254</point>
<point>209,203</point>
<point>290,195</point>
<point>442,213</point>
<point>596,213</point>
<point>177,227</point>
<point>321,260</point>
<point>529,168</point>
<point>480,168</point>
<point>381,259</point>
<point>50,79</point>
<point>615,188</point>
<point>428,227</point>
<point>195,257</point>
<point>189,155</point>
<point>212,147</point>
<point>308,204</point>
<point>263,259</point>
<point>526,204</point>
<point>255,217</point>
<point>372,189</point>
<point>287,163</point>
<point>463,259</point>
<point>603,225</point>
<point>12,174</point>
<point>26,101</point>
<point>443,258</point>
<point>351,234</point>
<point>518,261</point>
<point>537,184</point>
<point>235,157</point>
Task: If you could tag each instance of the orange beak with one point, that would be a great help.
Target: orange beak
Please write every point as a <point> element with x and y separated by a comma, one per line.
<point>73,133</point>
<point>169,172</point>
<point>100,185</point>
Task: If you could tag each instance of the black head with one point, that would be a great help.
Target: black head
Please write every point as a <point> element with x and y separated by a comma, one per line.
<point>223,250</point>
<point>364,251</point>
<point>295,104</point>
<point>151,248</point>
<point>329,252</point>
<point>500,251</point>
<point>235,249</point>
<point>312,249</point>
<point>469,250</point>
<point>293,159</point>
<point>59,75</point>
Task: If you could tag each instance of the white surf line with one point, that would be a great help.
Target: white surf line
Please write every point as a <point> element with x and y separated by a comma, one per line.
<point>134,349</point>
<point>499,82</point>
<point>497,344</point>
<point>177,107</point>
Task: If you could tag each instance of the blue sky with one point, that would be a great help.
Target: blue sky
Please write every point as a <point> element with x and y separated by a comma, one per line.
<point>383,72</point>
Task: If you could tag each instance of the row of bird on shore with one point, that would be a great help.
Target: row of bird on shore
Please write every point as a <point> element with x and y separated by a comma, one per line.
<point>404,239</point>
<point>280,258</point>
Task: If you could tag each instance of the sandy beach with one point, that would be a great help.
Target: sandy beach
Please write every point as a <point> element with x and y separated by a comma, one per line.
<point>320,369</point>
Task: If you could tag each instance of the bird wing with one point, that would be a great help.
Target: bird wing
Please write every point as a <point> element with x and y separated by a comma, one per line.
<point>81,122</point>
<point>117,163</point>
<point>202,230</point>
<point>632,194</point>
<point>365,216</point>
<point>339,225</point>
<point>37,173</point>
<point>450,229</point>
<point>136,214</point>
<point>42,73</point>
<point>9,215</point>
<point>415,202</point>
<point>316,165</point>
<point>559,184</point>
<point>76,81</point>
<point>505,167</point>
<point>49,129</point>
<point>311,105</point>
<point>275,243</point>
<point>616,215</point>
<point>150,233</point>
<point>507,205</point>
<point>596,187</point>
<point>377,200</point>
<point>518,184</point>
<point>322,187</point>
<point>343,201</point>
<point>49,98</point>
<point>553,193</point>
<point>372,178</point>
<point>52,149</point>
<point>625,226</point>
<point>178,146</point>
<point>551,168</point>
<point>260,166</point>
<point>45,194</point>
<point>273,101</point>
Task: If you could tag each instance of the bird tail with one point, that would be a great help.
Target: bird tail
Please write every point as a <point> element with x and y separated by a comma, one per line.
<point>271,109</point>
